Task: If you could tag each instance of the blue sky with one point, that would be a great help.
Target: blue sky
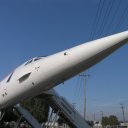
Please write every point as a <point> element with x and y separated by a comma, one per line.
<point>31,28</point>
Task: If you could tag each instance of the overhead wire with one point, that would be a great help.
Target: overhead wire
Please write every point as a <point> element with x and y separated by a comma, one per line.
<point>105,17</point>
<point>97,18</point>
<point>121,20</point>
<point>108,12</point>
<point>113,17</point>
<point>78,87</point>
<point>80,95</point>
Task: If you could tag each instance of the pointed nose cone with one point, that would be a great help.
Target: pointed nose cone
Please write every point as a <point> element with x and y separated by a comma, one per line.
<point>92,52</point>
<point>105,46</point>
<point>109,42</point>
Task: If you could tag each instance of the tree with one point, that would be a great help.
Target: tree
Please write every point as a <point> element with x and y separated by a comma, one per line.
<point>105,121</point>
<point>38,107</point>
<point>111,120</point>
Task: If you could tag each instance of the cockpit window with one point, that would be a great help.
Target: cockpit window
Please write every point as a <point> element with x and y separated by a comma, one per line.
<point>37,58</point>
<point>9,78</point>
<point>30,61</point>
<point>33,60</point>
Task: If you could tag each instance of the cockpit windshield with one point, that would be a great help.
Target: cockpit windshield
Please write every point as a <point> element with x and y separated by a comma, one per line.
<point>9,78</point>
<point>37,58</point>
<point>28,62</point>
<point>34,59</point>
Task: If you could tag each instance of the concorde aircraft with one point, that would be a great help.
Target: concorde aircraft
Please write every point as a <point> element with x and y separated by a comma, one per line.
<point>43,73</point>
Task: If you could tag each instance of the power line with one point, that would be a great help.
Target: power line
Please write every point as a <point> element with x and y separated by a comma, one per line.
<point>79,91</point>
<point>97,18</point>
<point>95,21</point>
<point>77,87</point>
<point>105,17</point>
<point>124,14</point>
<point>114,15</point>
<point>110,5</point>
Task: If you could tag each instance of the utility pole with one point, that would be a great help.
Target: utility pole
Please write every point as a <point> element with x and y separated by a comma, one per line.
<point>122,107</point>
<point>85,76</point>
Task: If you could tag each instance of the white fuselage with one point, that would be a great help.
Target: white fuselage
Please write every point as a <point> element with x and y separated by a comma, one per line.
<point>42,73</point>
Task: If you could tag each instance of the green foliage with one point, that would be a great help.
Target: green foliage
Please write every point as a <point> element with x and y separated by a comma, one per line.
<point>111,120</point>
<point>38,107</point>
<point>105,121</point>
